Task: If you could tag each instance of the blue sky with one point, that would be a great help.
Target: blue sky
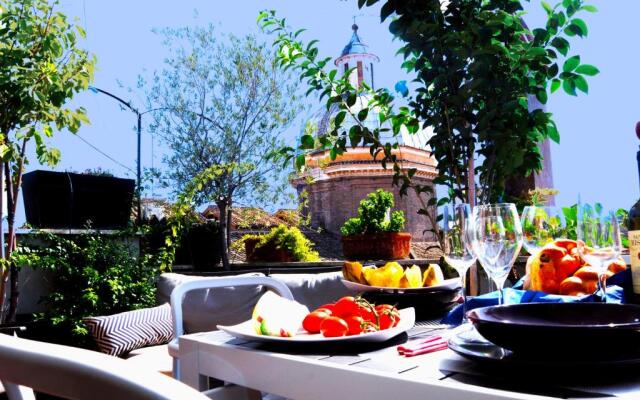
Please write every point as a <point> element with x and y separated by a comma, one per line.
<point>596,157</point>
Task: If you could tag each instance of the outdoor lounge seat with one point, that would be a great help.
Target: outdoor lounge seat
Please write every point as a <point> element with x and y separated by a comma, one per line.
<point>203,309</point>
<point>74,373</point>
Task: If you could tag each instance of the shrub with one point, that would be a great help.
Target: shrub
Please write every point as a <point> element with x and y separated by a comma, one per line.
<point>372,216</point>
<point>93,274</point>
<point>290,239</point>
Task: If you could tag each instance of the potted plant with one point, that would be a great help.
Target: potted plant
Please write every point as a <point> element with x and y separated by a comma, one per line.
<point>375,233</point>
<point>281,244</point>
<point>72,200</point>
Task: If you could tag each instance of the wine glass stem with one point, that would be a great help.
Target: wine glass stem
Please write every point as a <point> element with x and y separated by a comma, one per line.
<point>463,278</point>
<point>602,283</point>
<point>500,285</point>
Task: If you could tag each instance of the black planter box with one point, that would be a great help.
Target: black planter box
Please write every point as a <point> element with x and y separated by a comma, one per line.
<point>205,247</point>
<point>68,200</point>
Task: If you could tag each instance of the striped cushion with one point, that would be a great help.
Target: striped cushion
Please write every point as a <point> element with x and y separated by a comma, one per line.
<point>120,333</point>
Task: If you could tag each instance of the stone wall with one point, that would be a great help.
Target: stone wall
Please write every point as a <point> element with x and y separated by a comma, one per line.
<point>331,202</point>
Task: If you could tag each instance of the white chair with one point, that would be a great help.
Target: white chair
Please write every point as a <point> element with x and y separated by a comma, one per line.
<point>178,293</point>
<point>77,374</point>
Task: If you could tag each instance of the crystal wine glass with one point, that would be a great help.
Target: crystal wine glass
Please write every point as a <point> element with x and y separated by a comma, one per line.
<point>456,231</point>
<point>599,241</point>
<point>541,225</point>
<point>497,240</point>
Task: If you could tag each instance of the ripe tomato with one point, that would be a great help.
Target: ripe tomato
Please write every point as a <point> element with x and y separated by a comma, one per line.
<point>323,309</point>
<point>333,327</point>
<point>311,323</point>
<point>356,324</point>
<point>328,306</point>
<point>389,316</point>
<point>368,313</point>
<point>345,307</point>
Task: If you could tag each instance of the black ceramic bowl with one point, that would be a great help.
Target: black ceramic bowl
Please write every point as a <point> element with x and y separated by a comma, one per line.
<point>572,329</point>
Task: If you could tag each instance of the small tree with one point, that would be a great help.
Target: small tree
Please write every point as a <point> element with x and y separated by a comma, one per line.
<point>41,68</point>
<point>225,102</point>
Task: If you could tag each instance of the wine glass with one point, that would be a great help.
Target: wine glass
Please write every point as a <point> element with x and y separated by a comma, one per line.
<point>456,230</point>
<point>497,240</point>
<point>599,241</point>
<point>541,225</point>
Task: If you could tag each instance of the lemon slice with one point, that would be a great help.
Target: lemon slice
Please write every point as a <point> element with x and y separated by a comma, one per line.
<point>274,315</point>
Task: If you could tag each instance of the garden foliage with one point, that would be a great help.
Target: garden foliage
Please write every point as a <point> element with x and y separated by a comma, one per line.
<point>91,275</point>
<point>286,238</point>
<point>42,67</point>
<point>373,216</point>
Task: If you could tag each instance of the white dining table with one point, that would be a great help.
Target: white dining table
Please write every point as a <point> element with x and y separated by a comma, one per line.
<point>379,373</point>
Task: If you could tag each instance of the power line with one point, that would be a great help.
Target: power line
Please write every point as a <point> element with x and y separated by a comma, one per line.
<point>104,154</point>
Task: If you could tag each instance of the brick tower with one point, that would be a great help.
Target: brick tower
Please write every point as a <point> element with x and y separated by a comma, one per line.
<point>332,189</point>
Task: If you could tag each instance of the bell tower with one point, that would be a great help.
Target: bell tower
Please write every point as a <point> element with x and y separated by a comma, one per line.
<point>356,57</point>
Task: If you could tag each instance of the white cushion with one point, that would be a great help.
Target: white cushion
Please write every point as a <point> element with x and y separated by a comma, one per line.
<point>153,358</point>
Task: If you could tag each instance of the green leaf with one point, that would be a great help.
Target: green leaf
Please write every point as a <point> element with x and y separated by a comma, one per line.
<point>589,8</point>
<point>571,63</point>
<point>351,100</point>
<point>339,118</point>
<point>561,44</point>
<point>569,87</point>
<point>307,142</point>
<point>541,95</point>
<point>300,161</point>
<point>577,27</point>
<point>581,84</point>
<point>547,7</point>
<point>555,85</point>
<point>552,132</point>
<point>362,114</point>
<point>586,69</point>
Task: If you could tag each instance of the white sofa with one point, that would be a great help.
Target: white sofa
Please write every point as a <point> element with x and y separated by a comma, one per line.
<point>204,309</point>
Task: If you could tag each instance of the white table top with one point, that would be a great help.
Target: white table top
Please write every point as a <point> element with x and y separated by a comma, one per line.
<point>380,373</point>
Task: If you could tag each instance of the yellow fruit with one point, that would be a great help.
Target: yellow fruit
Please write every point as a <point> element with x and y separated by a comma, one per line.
<point>365,270</point>
<point>432,276</point>
<point>387,276</point>
<point>412,277</point>
<point>352,271</point>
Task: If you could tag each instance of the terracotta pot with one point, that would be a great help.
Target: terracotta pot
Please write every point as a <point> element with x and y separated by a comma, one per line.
<point>377,246</point>
<point>267,253</point>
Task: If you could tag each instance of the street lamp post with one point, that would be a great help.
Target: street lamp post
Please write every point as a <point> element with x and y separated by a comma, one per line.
<point>138,159</point>
<point>139,115</point>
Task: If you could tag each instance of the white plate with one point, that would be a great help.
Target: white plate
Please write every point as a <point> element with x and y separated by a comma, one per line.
<point>245,331</point>
<point>448,284</point>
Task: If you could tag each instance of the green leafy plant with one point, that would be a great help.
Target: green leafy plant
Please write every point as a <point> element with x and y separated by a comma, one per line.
<point>477,70</point>
<point>93,274</point>
<point>42,67</point>
<point>373,216</point>
<point>181,216</point>
<point>286,238</point>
